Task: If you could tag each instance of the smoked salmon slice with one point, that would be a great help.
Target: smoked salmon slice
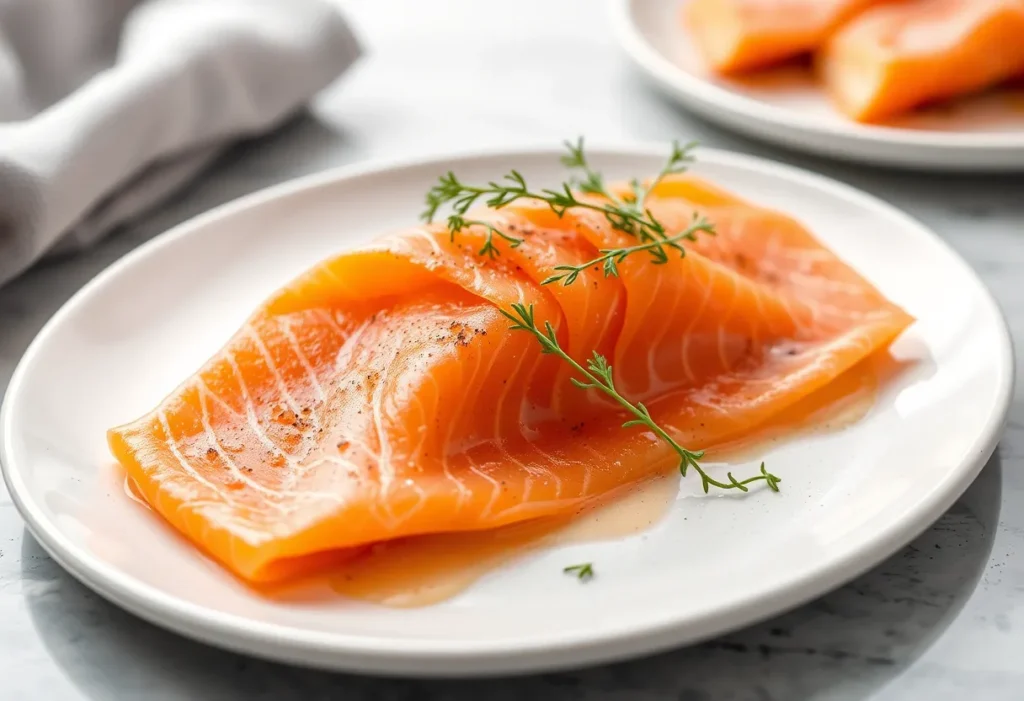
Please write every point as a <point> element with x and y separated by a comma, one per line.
<point>743,35</point>
<point>382,394</point>
<point>896,57</point>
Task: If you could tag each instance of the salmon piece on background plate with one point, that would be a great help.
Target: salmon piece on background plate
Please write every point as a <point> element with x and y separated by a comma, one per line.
<point>896,57</point>
<point>742,35</point>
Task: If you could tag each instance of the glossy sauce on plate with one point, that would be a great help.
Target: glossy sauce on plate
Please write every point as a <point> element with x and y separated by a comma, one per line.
<point>426,570</point>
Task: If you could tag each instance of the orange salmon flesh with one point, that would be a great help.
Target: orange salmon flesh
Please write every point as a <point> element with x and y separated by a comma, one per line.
<point>897,57</point>
<point>382,394</point>
<point>742,35</point>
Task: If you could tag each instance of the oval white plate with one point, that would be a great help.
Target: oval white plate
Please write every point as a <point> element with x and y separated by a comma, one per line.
<point>850,498</point>
<point>787,108</point>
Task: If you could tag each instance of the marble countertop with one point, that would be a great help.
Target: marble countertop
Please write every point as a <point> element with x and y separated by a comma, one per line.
<point>940,620</point>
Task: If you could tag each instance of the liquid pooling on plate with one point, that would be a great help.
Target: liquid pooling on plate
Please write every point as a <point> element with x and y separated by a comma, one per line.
<point>426,570</point>
<point>495,387</point>
<point>429,569</point>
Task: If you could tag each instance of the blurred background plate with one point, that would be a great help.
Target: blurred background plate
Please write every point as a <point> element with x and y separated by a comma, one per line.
<point>785,107</point>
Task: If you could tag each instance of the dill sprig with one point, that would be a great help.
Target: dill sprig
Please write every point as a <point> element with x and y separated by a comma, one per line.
<point>592,182</point>
<point>627,214</point>
<point>583,571</point>
<point>598,375</point>
<point>610,258</point>
<point>457,223</point>
<point>498,194</point>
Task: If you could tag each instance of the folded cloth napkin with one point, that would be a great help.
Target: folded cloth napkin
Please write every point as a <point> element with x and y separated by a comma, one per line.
<point>106,106</point>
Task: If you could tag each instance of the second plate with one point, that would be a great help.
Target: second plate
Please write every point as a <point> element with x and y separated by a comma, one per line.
<point>786,108</point>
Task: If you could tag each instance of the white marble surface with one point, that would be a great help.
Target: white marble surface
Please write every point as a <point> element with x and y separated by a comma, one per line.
<point>941,620</point>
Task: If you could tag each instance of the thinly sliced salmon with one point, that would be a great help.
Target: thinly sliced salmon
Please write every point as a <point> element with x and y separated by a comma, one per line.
<point>382,394</point>
<point>893,58</point>
<point>742,35</point>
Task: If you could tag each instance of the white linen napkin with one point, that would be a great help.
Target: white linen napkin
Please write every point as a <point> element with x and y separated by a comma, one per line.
<point>106,106</point>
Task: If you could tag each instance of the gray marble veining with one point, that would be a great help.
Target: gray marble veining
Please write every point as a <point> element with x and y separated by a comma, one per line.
<point>941,620</point>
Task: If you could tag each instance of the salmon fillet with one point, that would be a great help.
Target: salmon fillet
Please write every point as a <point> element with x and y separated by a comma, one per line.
<point>381,394</point>
<point>742,35</point>
<point>896,57</point>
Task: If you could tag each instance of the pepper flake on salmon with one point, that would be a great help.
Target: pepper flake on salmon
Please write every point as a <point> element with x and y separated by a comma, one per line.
<point>383,394</point>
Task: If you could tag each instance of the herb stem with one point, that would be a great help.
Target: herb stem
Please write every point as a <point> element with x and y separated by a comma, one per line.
<point>583,572</point>
<point>456,224</point>
<point>599,376</point>
<point>610,258</point>
<point>677,162</point>
<point>627,214</point>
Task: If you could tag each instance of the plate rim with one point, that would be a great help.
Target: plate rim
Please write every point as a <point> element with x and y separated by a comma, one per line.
<point>745,114</point>
<point>523,654</point>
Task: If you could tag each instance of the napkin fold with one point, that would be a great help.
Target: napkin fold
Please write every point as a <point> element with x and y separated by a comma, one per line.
<point>106,106</point>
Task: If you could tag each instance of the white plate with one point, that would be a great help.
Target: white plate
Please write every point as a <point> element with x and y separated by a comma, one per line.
<point>850,498</point>
<point>787,108</point>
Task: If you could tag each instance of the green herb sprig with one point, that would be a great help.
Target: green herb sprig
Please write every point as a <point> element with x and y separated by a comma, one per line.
<point>626,214</point>
<point>457,223</point>
<point>598,375</point>
<point>592,182</point>
<point>583,572</point>
<point>610,258</point>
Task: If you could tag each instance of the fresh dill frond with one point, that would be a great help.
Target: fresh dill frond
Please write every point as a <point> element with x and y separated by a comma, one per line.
<point>598,375</point>
<point>627,214</point>
<point>610,258</point>
<point>678,161</point>
<point>592,182</point>
<point>456,223</point>
<point>583,571</point>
